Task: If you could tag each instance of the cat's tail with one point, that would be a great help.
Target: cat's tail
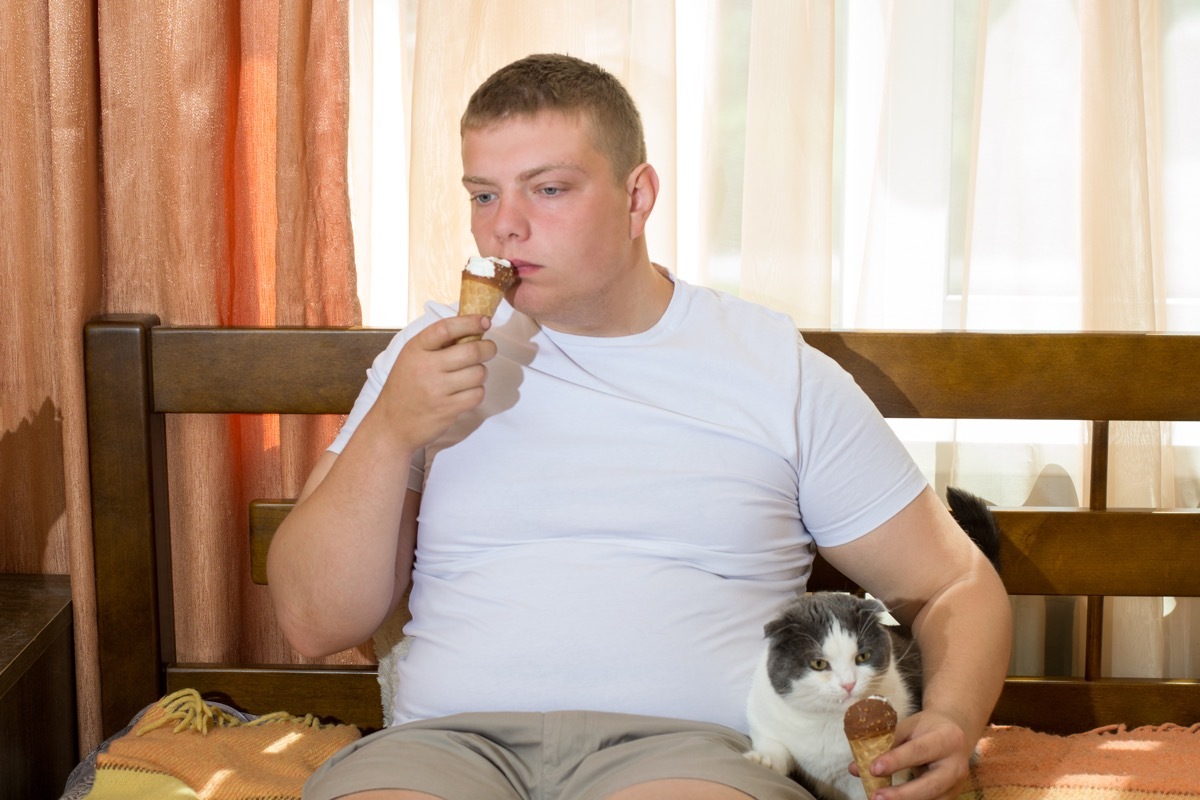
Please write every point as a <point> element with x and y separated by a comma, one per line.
<point>974,516</point>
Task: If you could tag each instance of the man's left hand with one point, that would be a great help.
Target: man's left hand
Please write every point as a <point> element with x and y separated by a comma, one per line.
<point>934,746</point>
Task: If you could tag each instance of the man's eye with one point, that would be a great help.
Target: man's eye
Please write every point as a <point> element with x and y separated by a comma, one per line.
<point>551,191</point>
<point>482,198</point>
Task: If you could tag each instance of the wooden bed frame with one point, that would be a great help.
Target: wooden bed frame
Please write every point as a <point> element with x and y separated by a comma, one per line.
<point>138,371</point>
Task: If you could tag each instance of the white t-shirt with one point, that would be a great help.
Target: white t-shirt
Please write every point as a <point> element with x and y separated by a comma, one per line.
<point>615,524</point>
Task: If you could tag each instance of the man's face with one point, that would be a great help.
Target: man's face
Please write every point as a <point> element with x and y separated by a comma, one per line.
<point>543,197</point>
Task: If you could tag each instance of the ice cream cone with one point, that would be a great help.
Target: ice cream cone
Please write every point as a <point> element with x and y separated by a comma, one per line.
<point>482,293</point>
<point>865,752</point>
<point>870,726</point>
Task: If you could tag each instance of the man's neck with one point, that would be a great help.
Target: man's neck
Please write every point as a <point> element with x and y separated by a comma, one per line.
<point>644,297</point>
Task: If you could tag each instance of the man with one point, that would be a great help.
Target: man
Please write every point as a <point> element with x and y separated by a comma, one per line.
<point>617,487</point>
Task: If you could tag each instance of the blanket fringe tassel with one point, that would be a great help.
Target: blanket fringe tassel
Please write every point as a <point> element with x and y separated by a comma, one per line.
<point>187,709</point>
<point>1165,728</point>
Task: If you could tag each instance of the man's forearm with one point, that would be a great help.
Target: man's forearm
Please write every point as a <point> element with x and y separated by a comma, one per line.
<point>965,635</point>
<point>332,566</point>
<point>342,558</point>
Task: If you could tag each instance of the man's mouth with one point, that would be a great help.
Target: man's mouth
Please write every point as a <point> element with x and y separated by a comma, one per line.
<point>523,267</point>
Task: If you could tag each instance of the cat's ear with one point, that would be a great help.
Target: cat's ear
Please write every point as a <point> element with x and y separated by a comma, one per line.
<point>785,619</point>
<point>870,607</point>
<point>779,626</point>
<point>776,627</point>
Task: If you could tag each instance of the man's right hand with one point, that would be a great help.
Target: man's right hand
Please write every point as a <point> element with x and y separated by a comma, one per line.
<point>435,380</point>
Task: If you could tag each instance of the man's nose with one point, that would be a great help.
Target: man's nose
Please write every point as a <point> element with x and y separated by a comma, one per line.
<point>511,220</point>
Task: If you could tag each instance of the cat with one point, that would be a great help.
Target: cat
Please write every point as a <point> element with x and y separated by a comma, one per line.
<point>827,650</point>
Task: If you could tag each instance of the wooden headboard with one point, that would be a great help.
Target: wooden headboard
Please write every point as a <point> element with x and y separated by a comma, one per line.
<point>138,371</point>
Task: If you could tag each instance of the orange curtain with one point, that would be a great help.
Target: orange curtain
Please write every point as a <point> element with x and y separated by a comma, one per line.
<point>187,160</point>
<point>50,283</point>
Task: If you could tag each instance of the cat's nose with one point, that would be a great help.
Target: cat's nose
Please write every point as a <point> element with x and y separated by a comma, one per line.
<point>849,687</point>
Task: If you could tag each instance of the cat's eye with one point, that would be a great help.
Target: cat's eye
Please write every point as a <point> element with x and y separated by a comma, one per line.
<point>863,657</point>
<point>819,664</point>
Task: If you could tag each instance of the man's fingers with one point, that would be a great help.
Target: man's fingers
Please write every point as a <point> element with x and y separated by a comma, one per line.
<point>911,754</point>
<point>433,357</point>
<point>938,766</point>
<point>941,781</point>
<point>466,379</point>
<point>446,332</point>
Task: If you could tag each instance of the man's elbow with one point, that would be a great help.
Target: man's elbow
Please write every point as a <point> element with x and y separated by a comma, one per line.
<point>306,637</point>
<point>312,648</point>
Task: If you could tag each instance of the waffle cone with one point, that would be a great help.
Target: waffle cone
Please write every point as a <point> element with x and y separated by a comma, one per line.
<point>866,751</point>
<point>478,295</point>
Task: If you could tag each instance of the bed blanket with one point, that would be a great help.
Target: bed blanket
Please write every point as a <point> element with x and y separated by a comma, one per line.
<point>184,748</point>
<point>1112,763</point>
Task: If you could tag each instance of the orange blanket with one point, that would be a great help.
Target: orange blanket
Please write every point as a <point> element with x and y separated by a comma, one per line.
<point>1112,763</point>
<point>185,748</point>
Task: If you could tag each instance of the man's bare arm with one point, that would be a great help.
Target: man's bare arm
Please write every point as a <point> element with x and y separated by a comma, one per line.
<point>931,576</point>
<point>341,560</point>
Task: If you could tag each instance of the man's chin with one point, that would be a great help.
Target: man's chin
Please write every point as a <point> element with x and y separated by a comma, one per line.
<point>526,300</point>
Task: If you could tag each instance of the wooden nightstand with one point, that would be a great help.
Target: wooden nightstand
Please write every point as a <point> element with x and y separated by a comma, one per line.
<point>38,741</point>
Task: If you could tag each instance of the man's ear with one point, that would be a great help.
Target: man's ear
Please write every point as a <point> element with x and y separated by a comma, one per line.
<point>642,188</point>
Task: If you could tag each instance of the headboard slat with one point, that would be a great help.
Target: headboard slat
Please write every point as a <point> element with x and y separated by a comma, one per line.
<point>965,375</point>
<point>1074,705</point>
<point>262,370</point>
<point>1044,551</point>
<point>130,525</point>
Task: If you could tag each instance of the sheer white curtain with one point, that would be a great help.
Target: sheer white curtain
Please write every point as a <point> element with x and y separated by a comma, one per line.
<point>1012,165</point>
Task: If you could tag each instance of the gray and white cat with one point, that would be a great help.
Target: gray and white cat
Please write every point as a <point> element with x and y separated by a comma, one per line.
<point>827,650</point>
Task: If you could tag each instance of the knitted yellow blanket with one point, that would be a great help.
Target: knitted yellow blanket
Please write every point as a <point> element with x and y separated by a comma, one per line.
<point>184,748</point>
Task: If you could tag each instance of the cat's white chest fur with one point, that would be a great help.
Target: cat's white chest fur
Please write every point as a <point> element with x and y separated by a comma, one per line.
<point>803,728</point>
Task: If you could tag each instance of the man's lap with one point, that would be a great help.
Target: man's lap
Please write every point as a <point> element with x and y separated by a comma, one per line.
<point>568,755</point>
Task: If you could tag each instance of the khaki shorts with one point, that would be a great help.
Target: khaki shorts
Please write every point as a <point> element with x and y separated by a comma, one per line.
<point>570,755</point>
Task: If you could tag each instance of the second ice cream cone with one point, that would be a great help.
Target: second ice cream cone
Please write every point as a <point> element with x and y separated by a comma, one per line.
<point>870,726</point>
<point>865,752</point>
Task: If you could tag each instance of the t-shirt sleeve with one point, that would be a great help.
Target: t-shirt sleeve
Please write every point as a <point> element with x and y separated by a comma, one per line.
<point>854,472</point>
<point>377,375</point>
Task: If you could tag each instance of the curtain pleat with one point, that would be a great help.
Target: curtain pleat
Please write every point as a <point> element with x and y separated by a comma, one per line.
<point>1116,179</point>
<point>50,279</point>
<point>315,246</point>
<point>75,175</point>
<point>1123,276</point>
<point>787,233</point>
<point>31,416</point>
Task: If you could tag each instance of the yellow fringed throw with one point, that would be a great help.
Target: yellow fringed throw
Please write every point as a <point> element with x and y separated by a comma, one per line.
<point>184,748</point>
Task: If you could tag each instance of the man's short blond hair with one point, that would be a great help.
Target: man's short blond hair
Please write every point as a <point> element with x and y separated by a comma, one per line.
<point>552,82</point>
